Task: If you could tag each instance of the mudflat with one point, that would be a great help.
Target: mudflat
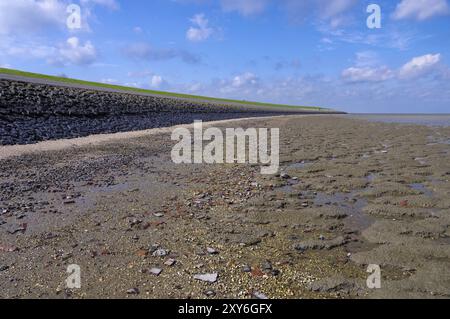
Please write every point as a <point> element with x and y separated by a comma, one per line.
<point>351,193</point>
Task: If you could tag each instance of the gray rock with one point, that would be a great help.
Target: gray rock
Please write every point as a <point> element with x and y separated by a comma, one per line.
<point>155,271</point>
<point>133,291</point>
<point>211,278</point>
<point>160,252</point>
<point>259,295</point>
<point>211,251</point>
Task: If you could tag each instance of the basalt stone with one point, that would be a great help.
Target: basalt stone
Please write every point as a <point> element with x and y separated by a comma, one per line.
<point>31,112</point>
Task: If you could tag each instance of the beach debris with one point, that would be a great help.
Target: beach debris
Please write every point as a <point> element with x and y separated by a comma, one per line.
<point>211,278</point>
<point>159,215</point>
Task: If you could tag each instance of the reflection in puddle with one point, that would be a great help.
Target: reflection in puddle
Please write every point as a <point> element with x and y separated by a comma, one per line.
<point>421,188</point>
<point>300,165</point>
<point>371,177</point>
<point>351,204</point>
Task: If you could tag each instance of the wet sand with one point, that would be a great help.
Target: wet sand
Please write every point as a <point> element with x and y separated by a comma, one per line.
<point>351,193</point>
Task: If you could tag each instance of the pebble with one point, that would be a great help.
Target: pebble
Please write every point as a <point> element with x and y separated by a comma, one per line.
<point>211,278</point>
<point>211,251</point>
<point>160,253</point>
<point>259,295</point>
<point>155,271</point>
<point>267,266</point>
<point>170,262</point>
<point>246,268</point>
<point>210,293</point>
<point>133,291</point>
<point>159,215</point>
<point>3,268</point>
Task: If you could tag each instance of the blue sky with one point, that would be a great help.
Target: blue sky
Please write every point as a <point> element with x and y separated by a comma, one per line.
<point>310,52</point>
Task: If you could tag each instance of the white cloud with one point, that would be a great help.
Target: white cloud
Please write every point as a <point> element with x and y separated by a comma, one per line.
<point>420,66</point>
<point>138,30</point>
<point>110,4</point>
<point>156,81</point>
<point>201,30</point>
<point>329,9</point>
<point>26,16</point>
<point>333,12</point>
<point>246,7</point>
<point>244,79</point>
<point>421,9</point>
<point>73,52</point>
<point>367,74</point>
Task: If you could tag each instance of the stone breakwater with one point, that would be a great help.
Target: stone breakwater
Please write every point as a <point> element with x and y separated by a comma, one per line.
<point>34,112</point>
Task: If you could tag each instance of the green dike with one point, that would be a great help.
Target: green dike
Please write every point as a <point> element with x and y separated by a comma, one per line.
<point>162,93</point>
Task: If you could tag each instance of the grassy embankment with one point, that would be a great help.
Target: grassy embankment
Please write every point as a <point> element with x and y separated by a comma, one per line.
<point>162,93</point>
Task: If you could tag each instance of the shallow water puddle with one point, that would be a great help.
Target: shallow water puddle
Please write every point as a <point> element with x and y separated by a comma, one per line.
<point>422,188</point>
<point>351,204</point>
<point>300,165</point>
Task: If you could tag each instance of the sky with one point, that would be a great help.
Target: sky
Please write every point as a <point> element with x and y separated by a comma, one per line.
<point>328,53</point>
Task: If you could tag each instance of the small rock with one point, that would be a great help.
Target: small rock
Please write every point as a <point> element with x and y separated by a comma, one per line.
<point>133,291</point>
<point>284,176</point>
<point>211,251</point>
<point>160,253</point>
<point>3,268</point>
<point>259,295</point>
<point>159,215</point>
<point>210,293</point>
<point>155,271</point>
<point>212,278</point>
<point>246,268</point>
<point>135,222</point>
<point>274,272</point>
<point>267,266</point>
<point>170,262</point>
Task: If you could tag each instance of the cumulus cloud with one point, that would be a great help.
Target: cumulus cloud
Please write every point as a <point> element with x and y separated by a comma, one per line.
<point>245,8</point>
<point>368,71</point>
<point>25,16</point>
<point>420,66</point>
<point>157,81</point>
<point>76,53</point>
<point>367,74</point>
<point>144,51</point>
<point>200,31</point>
<point>421,9</point>
<point>71,52</point>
